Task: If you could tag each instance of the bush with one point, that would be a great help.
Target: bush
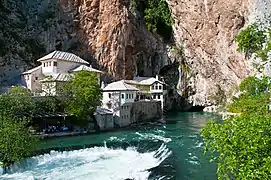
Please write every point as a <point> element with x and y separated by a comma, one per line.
<point>16,143</point>
<point>250,40</point>
<point>243,143</point>
<point>158,18</point>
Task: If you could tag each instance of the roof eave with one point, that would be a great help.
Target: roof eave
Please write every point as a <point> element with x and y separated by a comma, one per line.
<point>40,60</point>
<point>118,90</point>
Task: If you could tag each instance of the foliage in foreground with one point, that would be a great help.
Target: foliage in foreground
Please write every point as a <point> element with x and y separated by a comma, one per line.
<point>16,142</point>
<point>241,145</point>
<point>254,98</point>
<point>83,96</point>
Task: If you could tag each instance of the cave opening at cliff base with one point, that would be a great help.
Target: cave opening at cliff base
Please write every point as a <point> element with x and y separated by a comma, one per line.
<point>196,109</point>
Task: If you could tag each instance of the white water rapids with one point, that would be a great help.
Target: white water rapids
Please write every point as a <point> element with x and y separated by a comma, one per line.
<point>98,163</point>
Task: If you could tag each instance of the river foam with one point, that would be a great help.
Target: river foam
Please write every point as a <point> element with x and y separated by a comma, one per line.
<point>98,163</point>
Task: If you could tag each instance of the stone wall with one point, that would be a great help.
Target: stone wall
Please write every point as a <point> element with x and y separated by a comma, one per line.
<point>142,111</point>
<point>136,112</point>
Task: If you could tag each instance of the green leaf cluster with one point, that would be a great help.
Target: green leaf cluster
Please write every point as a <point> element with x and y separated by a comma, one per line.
<point>158,18</point>
<point>254,97</point>
<point>241,145</point>
<point>16,143</point>
<point>254,40</point>
<point>83,96</point>
<point>20,103</point>
<point>17,102</point>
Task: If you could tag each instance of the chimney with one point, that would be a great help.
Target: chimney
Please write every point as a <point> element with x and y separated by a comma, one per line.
<point>157,77</point>
<point>102,85</point>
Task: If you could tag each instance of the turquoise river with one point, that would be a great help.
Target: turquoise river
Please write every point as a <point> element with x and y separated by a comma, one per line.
<point>152,151</point>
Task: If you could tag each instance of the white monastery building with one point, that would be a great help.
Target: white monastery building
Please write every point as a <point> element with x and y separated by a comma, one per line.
<point>150,88</point>
<point>56,68</point>
<point>118,96</point>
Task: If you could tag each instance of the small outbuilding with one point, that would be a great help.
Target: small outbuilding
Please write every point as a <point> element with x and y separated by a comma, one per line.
<point>104,118</point>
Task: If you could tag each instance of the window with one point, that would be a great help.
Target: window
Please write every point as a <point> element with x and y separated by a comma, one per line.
<point>130,96</point>
<point>46,64</point>
<point>158,96</point>
<point>160,87</point>
<point>43,64</point>
<point>55,63</point>
<point>36,78</point>
<point>153,87</point>
<point>126,96</point>
<point>109,95</point>
<point>156,87</point>
<point>154,96</point>
<point>122,96</point>
<point>49,63</point>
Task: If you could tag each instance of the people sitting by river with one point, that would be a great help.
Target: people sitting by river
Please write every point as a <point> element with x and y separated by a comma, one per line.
<point>64,128</point>
<point>57,128</point>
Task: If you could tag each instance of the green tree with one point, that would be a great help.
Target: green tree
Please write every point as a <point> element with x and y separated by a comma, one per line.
<point>83,96</point>
<point>18,102</point>
<point>16,142</point>
<point>241,145</point>
<point>49,104</point>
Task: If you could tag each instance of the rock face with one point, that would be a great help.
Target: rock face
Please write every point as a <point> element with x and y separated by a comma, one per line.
<point>118,39</point>
<point>110,35</point>
<point>30,29</point>
<point>103,32</point>
<point>206,30</point>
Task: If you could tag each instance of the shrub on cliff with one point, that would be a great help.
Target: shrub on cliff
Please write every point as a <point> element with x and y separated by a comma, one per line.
<point>158,18</point>
<point>250,40</point>
<point>243,143</point>
<point>254,40</point>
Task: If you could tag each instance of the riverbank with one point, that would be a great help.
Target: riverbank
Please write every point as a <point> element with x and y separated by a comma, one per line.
<point>172,150</point>
<point>82,133</point>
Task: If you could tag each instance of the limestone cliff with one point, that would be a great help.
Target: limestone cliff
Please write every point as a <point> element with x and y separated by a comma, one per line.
<point>206,30</point>
<point>112,36</point>
<point>105,32</point>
